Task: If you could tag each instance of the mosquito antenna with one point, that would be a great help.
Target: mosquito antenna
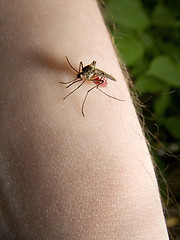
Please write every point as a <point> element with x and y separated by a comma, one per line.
<point>74,89</point>
<point>71,65</point>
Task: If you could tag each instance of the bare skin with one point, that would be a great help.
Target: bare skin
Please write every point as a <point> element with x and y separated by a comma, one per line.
<point>63,176</point>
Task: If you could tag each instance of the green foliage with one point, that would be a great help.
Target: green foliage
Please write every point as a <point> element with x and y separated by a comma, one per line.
<point>172,124</point>
<point>163,17</point>
<point>166,70</point>
<point>129,14</point>
<point>130,48</point>
<point>148,83</point>
<point>161,105</point>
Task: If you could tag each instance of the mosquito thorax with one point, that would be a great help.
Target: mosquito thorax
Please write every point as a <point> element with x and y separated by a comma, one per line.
<point>88,71</point>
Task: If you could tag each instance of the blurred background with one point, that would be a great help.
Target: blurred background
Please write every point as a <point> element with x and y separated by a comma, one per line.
<point>147,36</point>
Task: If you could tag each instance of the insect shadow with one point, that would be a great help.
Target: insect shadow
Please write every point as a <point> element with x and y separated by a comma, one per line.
<point>89,73</point>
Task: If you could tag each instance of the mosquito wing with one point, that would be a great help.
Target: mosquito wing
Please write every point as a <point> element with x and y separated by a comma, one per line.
<point>105,74</point>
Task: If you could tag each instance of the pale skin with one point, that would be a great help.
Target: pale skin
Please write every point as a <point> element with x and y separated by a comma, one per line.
<point>64,176</point>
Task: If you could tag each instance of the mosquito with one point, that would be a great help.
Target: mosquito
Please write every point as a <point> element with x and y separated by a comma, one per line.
<point>89,73</point>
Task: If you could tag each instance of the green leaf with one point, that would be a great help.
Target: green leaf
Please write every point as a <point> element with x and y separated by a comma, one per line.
<point>150,84</point>
<point>129,14</point>
<point>130,48</point>
<point>165,69</point>
<point>172,124</point>
<point>163,17</point>
<point>169,48</point>
<point>146,39</point>
<point>161,104</point>
<point>139,67</point>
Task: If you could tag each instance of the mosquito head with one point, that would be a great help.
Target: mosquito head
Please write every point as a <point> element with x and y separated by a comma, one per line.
<point>79,75</point>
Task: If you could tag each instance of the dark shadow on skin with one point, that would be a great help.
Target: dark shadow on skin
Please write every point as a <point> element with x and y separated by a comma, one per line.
<point>49,60</point>
<point>7,214</point>
<point>8,233</point>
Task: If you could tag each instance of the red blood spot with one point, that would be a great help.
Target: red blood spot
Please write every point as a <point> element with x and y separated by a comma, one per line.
<point>104,84</point>
<point>97,79</point>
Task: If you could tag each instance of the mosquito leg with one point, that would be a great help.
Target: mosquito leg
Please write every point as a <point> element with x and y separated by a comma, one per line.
<point>74,82</point>
<point>108,94</point>
<point>74,90</point>
<point>69,81</point>
<point>85,99</point>
<point>71,65</point>
<point>102,75</point>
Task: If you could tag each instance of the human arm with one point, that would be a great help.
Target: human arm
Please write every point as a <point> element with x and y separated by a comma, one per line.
<point>64,176</point>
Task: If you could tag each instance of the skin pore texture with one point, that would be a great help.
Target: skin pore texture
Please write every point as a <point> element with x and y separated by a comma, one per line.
<point>64,176</point>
